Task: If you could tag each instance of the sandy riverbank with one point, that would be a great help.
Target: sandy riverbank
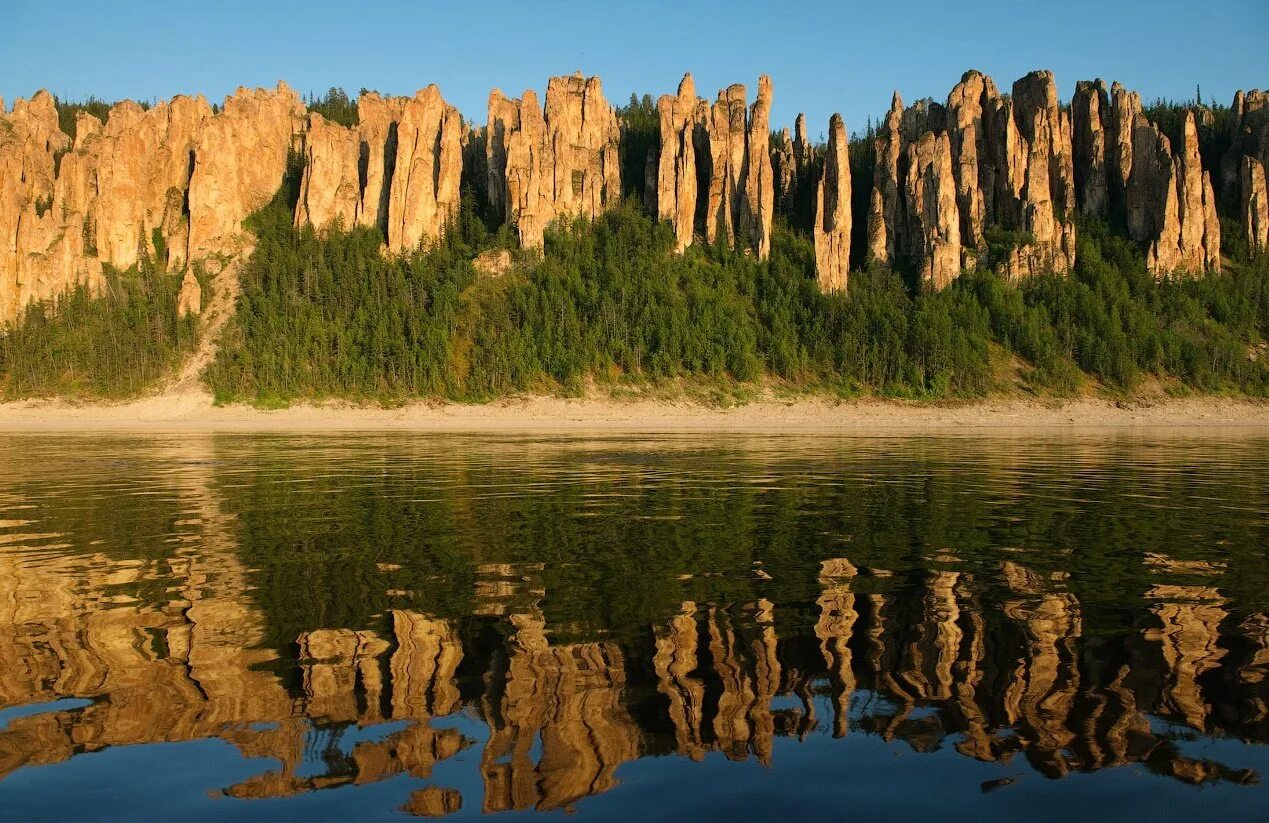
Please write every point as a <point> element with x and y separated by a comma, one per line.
<point>195,412</point>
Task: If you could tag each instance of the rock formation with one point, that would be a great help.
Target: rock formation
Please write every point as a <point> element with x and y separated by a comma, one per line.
<point>424,192</point>
<point>39,256</point>
<point>377,120</point>
<point>970,107</point>
<point>725,132</point>
<point>1090,109</point>
<point>190,299</point>
<point>239,161</point>
<point>883,210</point>
<point>1241,184</point>
<point>1125,106</point>
<point>173,183</point>
<point>330,192</point>
<point>932,218</point>
<point>1039,193</point>
<point>676,181</point>
<point>1171,203</point>
<point>1255,206</point>
<point>759,182</point>
<point>584,135</point>
<point>562,161</point>
<point>833,211</point>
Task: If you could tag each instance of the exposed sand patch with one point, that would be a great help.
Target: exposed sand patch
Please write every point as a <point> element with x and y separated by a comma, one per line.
<point>194,411</point>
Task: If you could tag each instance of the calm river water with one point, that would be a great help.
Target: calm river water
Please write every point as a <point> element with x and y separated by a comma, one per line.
<point>269,627</point>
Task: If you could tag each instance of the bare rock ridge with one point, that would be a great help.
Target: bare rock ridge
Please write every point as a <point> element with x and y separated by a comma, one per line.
<point>240,160</point>
<point>989,179</point>
<point>726,146</point>
<point>832,211</point>
<point>423,198</point>
<point>557,161</point>
<point>398,169</point>
<point>1243,166</point>
<point>682,119</point>
<point>1090,110</point>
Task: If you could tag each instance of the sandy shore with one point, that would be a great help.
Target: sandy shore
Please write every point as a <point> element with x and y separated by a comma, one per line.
<point>195,412</point>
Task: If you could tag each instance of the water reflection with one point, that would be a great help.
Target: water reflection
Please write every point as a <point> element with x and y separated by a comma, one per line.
<point>545,614</point>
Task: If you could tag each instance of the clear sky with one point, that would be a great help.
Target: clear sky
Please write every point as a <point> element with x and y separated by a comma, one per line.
<point>822,56</point>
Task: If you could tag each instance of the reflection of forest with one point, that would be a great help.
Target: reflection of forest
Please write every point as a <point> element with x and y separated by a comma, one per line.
<point>929,670</point>
<point>994,660</point>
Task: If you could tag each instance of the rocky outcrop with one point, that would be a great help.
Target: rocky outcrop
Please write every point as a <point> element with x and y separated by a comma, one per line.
<point>1199,244</point>
<point>377,120</point>
<point>143,160</point>
<point>932,218</point>
<point>42,249</point>
<point>240,161</point>
<point>833,211</point>
<point>1011,169</point>
<point>584,137</point>
<point>883,208</point>
<point>424,193</point>
<point>1255,206</point>
<point>914,217</point>
<point>791,159</point>
<point>190,299</point>
<point>562,161</point>
<point>725,133</point>
<point>759,182</point>
<point>681,116</point>
<point>1090,110</point>
<point>1171,203</point>
<point>969,108</point>
<point>330,192</point>
<point>1039,193</point>
<point>1124,107</point>
<point>1241,184</point>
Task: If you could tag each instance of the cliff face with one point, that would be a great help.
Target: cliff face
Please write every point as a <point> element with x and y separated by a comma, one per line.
<point>832,212</point>
<point>1009,166</point>
<point>42,215</point>
<point>561,161</point>
<point>239,162</point>
<point>172,183</point>
<point>423,196</point>
<point>682,117</point>
<point>988,179</point>
<point>1171,203</point>
<point>1243,166</point>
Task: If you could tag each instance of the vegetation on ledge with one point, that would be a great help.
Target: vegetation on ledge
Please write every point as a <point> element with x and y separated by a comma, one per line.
<point>329,316</point>
<point>111,346</point>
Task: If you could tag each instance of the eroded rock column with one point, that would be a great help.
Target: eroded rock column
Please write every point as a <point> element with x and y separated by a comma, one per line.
<point>833,212</point>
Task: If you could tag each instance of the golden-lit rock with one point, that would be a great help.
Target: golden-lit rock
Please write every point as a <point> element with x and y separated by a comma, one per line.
<point>240,160</point>
<point>330,192</point>
<point>833,212</point>
<point>676,181</point>
<point>423,198</point>
<point>1090,111</point>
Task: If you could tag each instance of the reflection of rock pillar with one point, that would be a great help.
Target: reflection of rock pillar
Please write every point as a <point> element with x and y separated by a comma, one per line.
<point>834,628</point>
<point>977,742</point>
<point>674,662</point>
<point>1253,675</point>
<point>1191,616</point>
<point>743,721</point>
<point>423,666</point>
<point>332,660</point>
<point>1047,680</point>
<point>569,698</point>
<point>928,663</point>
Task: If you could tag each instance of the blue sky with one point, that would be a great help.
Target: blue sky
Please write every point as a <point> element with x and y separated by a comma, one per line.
<point>822,56</point>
